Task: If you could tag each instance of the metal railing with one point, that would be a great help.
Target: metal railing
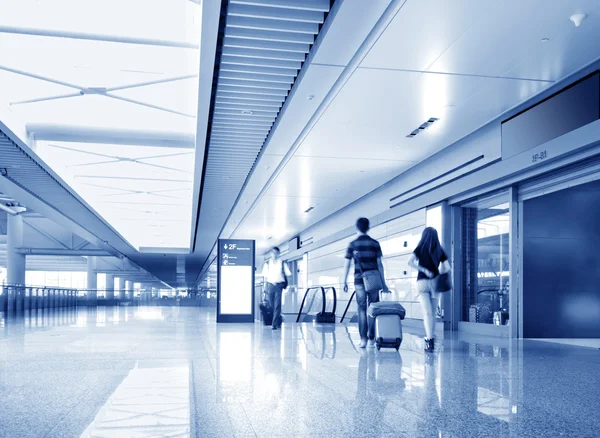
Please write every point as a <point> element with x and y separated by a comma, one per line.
<point>16,298</point>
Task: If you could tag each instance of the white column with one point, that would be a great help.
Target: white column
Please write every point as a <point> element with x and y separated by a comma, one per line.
<point>121,283</point>
<point>92,279</point>
<point>129,289</point>
<point>110,287</point>
<point>15,261</point>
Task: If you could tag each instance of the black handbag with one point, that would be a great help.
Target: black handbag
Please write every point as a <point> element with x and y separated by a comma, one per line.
<point>443,283</point>
<point>371,279</point>
<point>285,280</point>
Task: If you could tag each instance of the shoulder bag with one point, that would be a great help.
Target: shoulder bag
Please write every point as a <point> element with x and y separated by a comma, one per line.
<point>443,283</point>
<point>371,279</point>
<point>285,280</point>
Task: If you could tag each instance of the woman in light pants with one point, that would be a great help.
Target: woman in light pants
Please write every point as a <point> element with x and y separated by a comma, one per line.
<point>426,258</point>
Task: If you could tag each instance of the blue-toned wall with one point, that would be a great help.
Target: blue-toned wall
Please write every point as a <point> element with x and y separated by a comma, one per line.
<point>561,264</point>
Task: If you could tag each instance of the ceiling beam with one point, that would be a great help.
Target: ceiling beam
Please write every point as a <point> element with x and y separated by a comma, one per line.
<point>96,37</point>
<point>78,134</point>
<point>63,252</point>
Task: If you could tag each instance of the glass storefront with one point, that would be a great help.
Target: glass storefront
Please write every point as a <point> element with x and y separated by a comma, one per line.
<point>485,233</point>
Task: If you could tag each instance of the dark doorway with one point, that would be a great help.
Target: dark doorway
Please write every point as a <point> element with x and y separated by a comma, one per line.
<point>561,264</point>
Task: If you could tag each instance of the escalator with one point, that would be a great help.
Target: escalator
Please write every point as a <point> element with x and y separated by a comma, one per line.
<point>318,305</point>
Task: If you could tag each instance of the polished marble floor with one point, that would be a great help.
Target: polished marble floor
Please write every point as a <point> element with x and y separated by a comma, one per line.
<point>173,372</point>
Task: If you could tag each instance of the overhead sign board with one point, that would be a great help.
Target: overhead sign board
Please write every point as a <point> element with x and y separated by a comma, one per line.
<point>235,281</point>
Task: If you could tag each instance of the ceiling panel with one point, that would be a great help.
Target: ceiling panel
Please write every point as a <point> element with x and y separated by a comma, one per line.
<point>308,95</point>
<point>509,32</point>
<point>371,117</point>
<point>354,21</point>
<point>327,184</point>
<point>564,53</point>
<point>422,31</point>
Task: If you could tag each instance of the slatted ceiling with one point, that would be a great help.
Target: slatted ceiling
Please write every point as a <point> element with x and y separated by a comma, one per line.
<point>260,77</point>
<point>287,72</point>
<point>253,91</point>
<point>248,61</point>
<point>273,25</point>
<point>269,36</point>
<point>264,45</point>
<point>252,85</point>
<point>306,5</point>
<point>268,47</point>
<point>275,13</point>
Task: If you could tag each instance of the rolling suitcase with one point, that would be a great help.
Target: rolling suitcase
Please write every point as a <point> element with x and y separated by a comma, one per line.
<point>388,331</point>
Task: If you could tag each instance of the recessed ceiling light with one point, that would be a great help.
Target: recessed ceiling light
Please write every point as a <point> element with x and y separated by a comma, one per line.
<point>423,127</point>
<point>309,209</point>
<point>545,40</point>
<point>247,112</point>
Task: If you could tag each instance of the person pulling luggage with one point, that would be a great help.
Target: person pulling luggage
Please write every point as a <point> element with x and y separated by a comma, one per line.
<point>426,258</point>
<point>369,277</point>
<point>275,273</point>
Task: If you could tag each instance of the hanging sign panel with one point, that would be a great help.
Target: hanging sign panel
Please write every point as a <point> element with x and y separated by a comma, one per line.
<point>235,284</point>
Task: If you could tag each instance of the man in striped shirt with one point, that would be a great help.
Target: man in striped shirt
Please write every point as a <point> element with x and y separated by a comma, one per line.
<point>366,253</point>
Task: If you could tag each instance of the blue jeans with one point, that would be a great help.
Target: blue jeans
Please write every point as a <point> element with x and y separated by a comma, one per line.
<point>366,324</point>
<point>275,291</point>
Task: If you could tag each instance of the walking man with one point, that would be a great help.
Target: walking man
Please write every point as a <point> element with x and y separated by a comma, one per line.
<point>275,273</point>
<point>366,253</point>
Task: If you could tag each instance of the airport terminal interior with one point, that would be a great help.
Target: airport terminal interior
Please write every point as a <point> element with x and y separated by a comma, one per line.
<point>182,252</point>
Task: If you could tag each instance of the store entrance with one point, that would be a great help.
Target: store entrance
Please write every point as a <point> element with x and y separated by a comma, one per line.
<point>561,264</point>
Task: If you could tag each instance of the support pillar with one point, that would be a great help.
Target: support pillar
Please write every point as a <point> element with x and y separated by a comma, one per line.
<point>122,294</point>
<point>15,263</point>
<point>129,289</point>
<point>110,287</point>
<point>92,281</point>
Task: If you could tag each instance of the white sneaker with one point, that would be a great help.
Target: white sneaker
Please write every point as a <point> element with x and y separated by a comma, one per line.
<point>371,343</point>
<point>363,343</point>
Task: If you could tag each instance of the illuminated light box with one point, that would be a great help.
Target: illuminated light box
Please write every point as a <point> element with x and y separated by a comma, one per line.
<point>235,281</point>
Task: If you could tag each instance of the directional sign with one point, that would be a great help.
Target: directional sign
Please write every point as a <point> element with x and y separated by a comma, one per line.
<point>235,285</point>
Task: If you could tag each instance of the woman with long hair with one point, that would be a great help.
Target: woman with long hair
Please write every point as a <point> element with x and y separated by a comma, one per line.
<point>426,258</point>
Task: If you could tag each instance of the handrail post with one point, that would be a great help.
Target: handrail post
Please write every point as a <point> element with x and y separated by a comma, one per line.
<point>348,306</point>
<point>323,309</point>
<point>302,305</point>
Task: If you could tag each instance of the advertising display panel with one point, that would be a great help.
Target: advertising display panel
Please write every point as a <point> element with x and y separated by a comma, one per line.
<point>235,281</point>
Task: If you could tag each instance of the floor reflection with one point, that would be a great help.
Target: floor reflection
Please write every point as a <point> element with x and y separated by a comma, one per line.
<point>150,402</point>
<point>152,371</point>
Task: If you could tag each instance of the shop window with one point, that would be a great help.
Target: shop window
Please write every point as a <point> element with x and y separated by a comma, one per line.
<point>485,260</point>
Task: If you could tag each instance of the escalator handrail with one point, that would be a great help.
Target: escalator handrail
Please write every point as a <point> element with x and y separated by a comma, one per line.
<point>334,298</point>
<point>348,306</point>
<point>304,300</point>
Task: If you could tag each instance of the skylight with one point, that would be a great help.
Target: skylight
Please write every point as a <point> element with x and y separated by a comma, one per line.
<point>108,91</point>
